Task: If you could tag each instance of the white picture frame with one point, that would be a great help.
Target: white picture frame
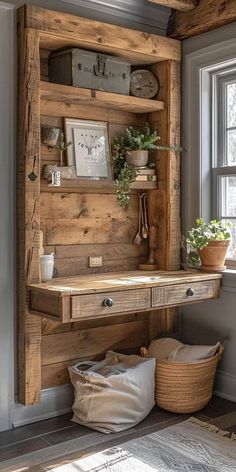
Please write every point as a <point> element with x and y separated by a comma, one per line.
<point>90,150</point>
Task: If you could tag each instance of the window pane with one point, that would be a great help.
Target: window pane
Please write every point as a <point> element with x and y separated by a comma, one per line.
<point>231,254</point>
<point>231,105</point>
<point>231,147</point>
<point>228,196</point>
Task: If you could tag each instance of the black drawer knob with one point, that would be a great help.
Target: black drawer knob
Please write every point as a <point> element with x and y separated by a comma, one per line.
<point>108,302</point>
<point>190,292</point>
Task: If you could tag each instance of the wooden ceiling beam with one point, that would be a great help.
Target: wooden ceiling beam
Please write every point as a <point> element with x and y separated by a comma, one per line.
<point>208,15</point>
<point>182,5</point>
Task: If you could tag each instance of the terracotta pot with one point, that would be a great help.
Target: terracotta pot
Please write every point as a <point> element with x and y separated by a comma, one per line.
<point>213,256</point>
<point>137,158</point>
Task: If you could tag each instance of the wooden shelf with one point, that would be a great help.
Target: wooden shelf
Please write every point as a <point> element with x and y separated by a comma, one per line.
<point>93,186</point>
<point>80,96</point>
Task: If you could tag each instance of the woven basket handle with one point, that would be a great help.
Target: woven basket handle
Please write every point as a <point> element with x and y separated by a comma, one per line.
<point>220,351</point>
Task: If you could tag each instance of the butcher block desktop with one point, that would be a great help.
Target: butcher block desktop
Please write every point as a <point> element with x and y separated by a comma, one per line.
<point>95,296</point>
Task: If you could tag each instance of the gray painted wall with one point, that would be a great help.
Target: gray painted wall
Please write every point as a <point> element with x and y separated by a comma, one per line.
<point>133,13</point>
<point>216,320</point>
<point>7,212</point>
<point>137,14</point>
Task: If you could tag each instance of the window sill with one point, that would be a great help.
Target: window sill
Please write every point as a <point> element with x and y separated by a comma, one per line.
<point>229,279</point>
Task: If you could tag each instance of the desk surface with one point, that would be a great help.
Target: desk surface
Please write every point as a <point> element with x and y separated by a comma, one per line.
<point>116,281</point>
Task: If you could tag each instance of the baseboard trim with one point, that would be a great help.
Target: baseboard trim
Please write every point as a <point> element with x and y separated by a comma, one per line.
<point>55,401</point>
<point>225,386</point>
<point>58,401</point>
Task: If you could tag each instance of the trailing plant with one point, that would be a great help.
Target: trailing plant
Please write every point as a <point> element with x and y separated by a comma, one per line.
<point>127,175</point>
<point>132,140</point>
<point>62,146</point>
<point>199,237</point>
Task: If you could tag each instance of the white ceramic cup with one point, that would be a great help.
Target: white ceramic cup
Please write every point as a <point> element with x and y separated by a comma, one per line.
<point>46,267</point>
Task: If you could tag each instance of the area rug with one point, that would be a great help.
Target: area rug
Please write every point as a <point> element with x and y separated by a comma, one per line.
<point>190,446</point>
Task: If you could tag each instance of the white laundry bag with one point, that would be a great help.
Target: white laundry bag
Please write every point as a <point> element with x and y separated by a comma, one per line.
<point>114,394</point>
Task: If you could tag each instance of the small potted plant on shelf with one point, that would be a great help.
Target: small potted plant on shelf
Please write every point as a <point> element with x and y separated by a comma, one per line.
<point>130,154</point>
<point>66,172</point>
<point>62,146</point>
<point>209,243</point>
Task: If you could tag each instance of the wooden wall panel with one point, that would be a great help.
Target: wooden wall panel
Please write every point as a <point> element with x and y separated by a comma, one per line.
<point>167,200</point>
<point>29,332</point>
<point>63,349</point>
<point>77,226</point>
<point>91,342</point>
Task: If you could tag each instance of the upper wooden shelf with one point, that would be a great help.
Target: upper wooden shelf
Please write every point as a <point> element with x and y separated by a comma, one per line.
<point>76,96</point>
<point>60,29</point>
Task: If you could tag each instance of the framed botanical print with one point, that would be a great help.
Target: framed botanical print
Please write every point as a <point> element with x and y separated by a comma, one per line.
<point>90,150</point>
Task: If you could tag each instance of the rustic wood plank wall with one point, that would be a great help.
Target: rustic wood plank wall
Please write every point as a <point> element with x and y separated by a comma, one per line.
<point>86,222</point>
<point>76,226</point>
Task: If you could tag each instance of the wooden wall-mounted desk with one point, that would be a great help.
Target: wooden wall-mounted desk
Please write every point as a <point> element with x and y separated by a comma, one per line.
<point>97,296</point>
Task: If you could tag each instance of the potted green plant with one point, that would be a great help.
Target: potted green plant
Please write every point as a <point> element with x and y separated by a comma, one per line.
<point>209,243</point>
<point>67,172</point>
<point>130,152</point>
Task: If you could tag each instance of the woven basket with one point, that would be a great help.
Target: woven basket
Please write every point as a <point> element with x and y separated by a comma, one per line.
<point>186,387</point>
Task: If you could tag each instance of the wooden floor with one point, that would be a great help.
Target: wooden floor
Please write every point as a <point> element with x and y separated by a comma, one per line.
<point>39,446</point>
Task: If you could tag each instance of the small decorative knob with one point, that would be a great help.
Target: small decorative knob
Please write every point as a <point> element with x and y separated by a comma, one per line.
<point>32,176</point>
<point>190,292</point>
<point>108,302</point>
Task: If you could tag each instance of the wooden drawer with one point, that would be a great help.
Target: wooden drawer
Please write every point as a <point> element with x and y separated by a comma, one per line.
<point>184,293</point>
<point>105,304</point>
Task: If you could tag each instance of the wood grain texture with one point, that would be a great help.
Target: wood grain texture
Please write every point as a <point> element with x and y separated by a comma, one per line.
<point>76,96</point>
<point>78,111</point>
<point>80,265</point>
<point>79,344</point>
<point>85,231</point>
<point>51,327</point>
<point>57,374</point>
<point>182,5</point>
<point>60,29</point>
<point>75,206</point>
<point>88,306</point>
<point>29,331</point>
<point>208,15</point>
<point>113,251</point>
<point>119,281</point>
<point>177,294</point>
<point>165,204</point>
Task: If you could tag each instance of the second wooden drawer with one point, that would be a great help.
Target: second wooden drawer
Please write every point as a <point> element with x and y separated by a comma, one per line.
<point>109,303</point>
<point>184,293</point>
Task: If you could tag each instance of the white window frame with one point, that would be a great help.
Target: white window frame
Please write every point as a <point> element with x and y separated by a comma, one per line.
<point>219,82</point>
<point>202,56</point>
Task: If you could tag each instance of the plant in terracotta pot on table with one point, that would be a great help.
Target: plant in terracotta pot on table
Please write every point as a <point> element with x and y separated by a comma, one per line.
<point>209,244</point>
<point>130,154</point>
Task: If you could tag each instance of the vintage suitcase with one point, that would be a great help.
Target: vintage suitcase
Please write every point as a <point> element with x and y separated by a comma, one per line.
<point>89,69</point>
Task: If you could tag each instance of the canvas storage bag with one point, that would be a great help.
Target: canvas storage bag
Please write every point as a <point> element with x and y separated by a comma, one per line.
<point>114,394</point>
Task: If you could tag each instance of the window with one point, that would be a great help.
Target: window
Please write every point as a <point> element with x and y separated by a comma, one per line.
<point>224,152</point>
